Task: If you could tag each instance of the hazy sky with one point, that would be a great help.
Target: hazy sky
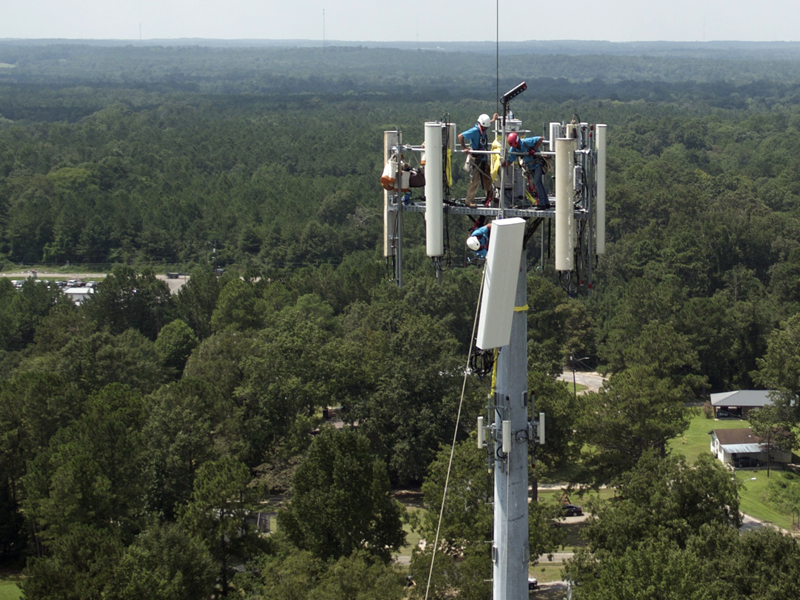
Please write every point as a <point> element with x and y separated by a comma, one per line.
<point>411,20</point>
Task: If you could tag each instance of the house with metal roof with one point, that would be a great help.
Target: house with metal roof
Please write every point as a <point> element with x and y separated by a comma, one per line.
<point>739,402</point>
<point>739,448</point>
<point>78,294</point>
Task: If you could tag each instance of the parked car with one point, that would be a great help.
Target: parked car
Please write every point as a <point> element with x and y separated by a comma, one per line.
<point>571,510</point>
<point>532,583</point>
<point>746,462</point>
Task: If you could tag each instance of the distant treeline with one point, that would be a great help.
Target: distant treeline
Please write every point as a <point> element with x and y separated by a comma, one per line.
<point>339,69</point>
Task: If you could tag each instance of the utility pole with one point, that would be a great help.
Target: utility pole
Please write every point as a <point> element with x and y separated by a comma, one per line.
<point>511,552</point>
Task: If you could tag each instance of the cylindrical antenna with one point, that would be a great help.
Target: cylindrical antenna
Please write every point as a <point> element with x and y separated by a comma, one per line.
<point>390,140</point>
<point>565,196</point>
<point>600,140</point>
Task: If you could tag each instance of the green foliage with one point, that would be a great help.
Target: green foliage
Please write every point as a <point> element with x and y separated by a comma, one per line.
<point>217,514</point>
<point>92,474</point>
<point>671,528</point>
<point>467,519</point>
<point>784,491</point>
<point>174,344</point>
<point>463,562</point>
<point>294,574</point>
<point>405,381</point>
<point>186,160</point>
<point>717,562</point>
<point>665,498</point>
<point>164,563</point>
<point>779,368</point>
<point>774,425</point>
<point>633,413</point>
<point>197,299</point>
<point>79,567</point>
<point>101,358</point>
<point>562,408</point>
<point>21,312</point>
<point>181,432</point>
<point>130,300</point>
<point>340,501</point>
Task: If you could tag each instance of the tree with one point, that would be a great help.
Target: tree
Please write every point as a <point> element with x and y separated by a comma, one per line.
<point>197,299</point>
<point>780,367</point>
<point>217,514</point>
<point>22,310</point>
<point>163,563</point>
<point>785,493</point>
<point>404,382</point>
<point>340,500</point>
<point>664,498</point>
<point>182,431</point>
<point>468,514</point>
<point>174,344</point>
<point>127,299</point>
<point>671,532</point>
<point>80,565</point>
<point>239,307</point>
<point>218,361</point>
<point>634,412</point>
<point>33,407</point>
<point>292,574</point>
<point>92,473</point>
<point>562,409</point>
<point>101,358</point>
<point>773,424</point>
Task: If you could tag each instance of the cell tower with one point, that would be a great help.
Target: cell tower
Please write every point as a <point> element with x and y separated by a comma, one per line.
<point>512,427</point>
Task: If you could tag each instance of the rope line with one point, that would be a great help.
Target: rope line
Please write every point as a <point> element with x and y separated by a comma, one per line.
<point>455,434</point>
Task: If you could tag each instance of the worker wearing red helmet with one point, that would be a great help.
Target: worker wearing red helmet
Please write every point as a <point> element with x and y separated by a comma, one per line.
<point>526,149</point>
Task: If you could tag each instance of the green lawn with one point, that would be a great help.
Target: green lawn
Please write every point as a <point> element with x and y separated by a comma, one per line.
<point>546,571</point>
<point>696,439</point>
<point>575,388</point>
<point>9,589</point>
<point>752,496</point>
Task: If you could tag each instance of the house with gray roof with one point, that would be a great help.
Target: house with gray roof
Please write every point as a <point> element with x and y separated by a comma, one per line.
<point>739,448</point>
<point>739,402</point>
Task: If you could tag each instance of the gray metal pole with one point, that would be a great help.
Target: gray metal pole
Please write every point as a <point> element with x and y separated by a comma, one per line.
<point>511,553</point>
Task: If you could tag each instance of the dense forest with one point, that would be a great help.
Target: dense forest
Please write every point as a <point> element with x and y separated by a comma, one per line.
<point>140,423</point>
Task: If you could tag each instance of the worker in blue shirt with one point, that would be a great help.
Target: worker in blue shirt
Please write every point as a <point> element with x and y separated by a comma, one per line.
<point>475,138</point>
<point>478,242</point>
<point>526,149</point>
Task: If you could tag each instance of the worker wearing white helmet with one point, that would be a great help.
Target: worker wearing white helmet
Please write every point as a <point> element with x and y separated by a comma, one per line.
<point>476,138</point>
<point>478,242</point>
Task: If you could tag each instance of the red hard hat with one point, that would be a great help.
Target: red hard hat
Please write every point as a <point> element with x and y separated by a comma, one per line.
<point>513,139</point>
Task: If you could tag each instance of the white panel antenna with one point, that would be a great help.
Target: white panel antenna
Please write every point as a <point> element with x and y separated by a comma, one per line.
<point>500,286</point>
<point>434,189</point>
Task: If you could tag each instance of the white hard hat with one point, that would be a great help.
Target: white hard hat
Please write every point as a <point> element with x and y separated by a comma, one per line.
<point>473,243</point>
<point>484,121</point>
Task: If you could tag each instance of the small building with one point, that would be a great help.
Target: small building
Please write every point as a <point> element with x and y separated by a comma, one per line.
<point>78,294</point>
<point>739,448</point>
<point>739,402</point>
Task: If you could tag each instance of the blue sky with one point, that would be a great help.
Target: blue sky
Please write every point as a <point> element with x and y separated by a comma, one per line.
<point>412,20</point>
